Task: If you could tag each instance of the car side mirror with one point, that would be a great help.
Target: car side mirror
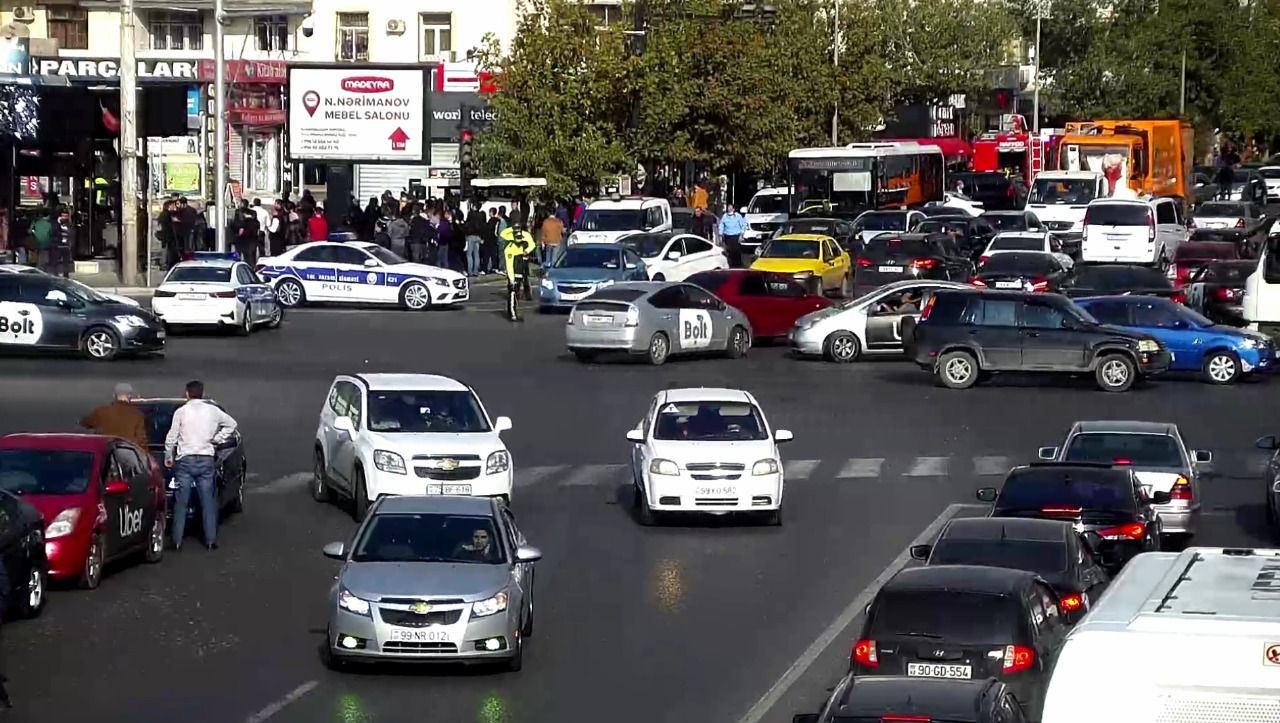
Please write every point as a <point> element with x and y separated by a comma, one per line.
<point>921,552</point>
<point>370,263</point>
<point>783,435</point>
<point>335,550</point>
<point>1202,456</point>
<point>502,424</point>
<point>1160,498</point>
<point>987,494</point>
<point>1269,442</point>
<point>1048,453</point>
<point>344,424</point>
<point>635,435</point>
<point>526,553</point>
<point>674,256</point>
<point>117,487</point>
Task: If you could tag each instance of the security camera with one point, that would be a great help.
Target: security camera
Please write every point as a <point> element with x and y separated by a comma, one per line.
<point>308,27</point>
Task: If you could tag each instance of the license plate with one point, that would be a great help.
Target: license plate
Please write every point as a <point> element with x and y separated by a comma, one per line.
<point>160,334</point>
<point>448,489</point>
<point>596,319</point>
<point>412,635</point>
<point>1215,225</point>
<point>191,297</point>
<point>717,491</point>
<point>890,269</point>
<point>939,670</point>
<point>1008,285</point>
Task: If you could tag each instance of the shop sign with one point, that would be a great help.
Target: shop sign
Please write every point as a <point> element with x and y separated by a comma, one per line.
<point>108,69</point>
<point>360,113</point>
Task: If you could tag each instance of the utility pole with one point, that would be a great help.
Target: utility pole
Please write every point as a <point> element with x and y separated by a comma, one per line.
<point>220,134</point>
<point>1035,98</point>
<point>1182,96</point>
<point>129,197</point>
<point>835,60</point>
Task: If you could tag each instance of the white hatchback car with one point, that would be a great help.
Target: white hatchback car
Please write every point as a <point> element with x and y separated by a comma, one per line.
<point>1011,241</point>
<point>707,451</point>
<point>675,257</point>
<point>407,434</point>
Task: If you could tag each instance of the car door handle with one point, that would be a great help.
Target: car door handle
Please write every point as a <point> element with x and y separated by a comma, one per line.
<point>667,317</point>
<point>1032,333</point>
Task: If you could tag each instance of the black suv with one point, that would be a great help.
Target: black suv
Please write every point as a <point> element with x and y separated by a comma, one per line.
<point>964,335</point>
<point>909,256</point>
<point>861,699</point>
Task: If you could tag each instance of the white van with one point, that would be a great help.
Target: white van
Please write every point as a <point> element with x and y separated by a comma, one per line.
<point>1059,200</point>
<point>767,211</point>
<point>607,220</point>
<point>1189,636</point>
<point>1261,304</point>
<point>1132,231</point>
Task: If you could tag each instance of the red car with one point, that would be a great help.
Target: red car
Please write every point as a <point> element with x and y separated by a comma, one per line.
<point>102,499</point>
<point>771,301</point>
<point>1194,255</point>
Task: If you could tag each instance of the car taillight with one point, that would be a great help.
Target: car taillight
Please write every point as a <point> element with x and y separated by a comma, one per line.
<point>1018,658</point>
<point>1151,227</point>
<point>1040,285</point>
<point>905,718</point>
<point>924,263</point>
<point>1061,510</point>
<point>1226,294</point>
<point>978,283</point>
<point>164,294</point>
<point>1240,223</point>
<point>864,653</point>
<point>1181,490</point>
<point>1178,297</point>
<point>1071,602</point>
<point>1122,461</point>
<point>1129,531</point>
<point>223,294</point>
<point>864,262</point>
<point>928,307</point>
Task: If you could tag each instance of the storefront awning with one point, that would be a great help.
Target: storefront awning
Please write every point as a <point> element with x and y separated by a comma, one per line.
<point>951,147</point>
<point>38,80</point>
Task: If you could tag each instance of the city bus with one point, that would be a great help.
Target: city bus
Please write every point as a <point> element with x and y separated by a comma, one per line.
<point>844,182</point>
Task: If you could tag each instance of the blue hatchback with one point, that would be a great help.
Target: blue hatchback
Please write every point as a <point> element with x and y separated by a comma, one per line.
<point>580,269</point>
<point>1221,353</point>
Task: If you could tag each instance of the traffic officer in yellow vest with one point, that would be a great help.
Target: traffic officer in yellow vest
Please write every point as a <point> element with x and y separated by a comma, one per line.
<point>518,246</point>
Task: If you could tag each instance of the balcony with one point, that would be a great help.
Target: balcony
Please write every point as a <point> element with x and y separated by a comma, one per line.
<point>241,8</point>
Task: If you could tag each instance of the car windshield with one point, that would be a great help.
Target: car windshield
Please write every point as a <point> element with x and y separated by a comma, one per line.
<point>1020,263</point>
<point>1140,450</point>
<point>1066,490</point>
<point>771,203</point>
<point>429,537</point>
<point>87,292</point>
<point>782,248</point>
<point>1011,242</point>
<point>1120,278</point>
<point>1219,210</point>
<point>1063,191</point>
<point>1270,172</point>
<point>943,226</point>
<point>159,416</point>
<point>1006,221</point>
<point>45,471</point>
<point>389,258</point>
<point>1118,214</point>
<point>883,247</point>
<point>1042,556</point>
<point>612,219</point>
<point>1204,250</point>
<point>709,422</point>
<point>822,228</point>
<point>883,222</point>
<point>646,245</point>
<point>412,411</point>
<point>576,257</point>
<point>211,274</point>
<point>1228,273</point>
<point>970,617</point>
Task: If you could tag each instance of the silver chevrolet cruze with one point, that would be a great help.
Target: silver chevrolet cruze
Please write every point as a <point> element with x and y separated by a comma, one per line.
<point>432,579</point>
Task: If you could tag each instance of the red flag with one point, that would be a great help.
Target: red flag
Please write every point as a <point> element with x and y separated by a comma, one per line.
<point>109,120</point>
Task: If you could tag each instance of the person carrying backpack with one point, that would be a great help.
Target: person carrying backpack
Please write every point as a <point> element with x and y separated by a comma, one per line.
<point>42,232</point>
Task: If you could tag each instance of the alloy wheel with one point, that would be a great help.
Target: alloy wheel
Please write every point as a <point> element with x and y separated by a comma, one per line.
<point>289,293</point>
<point>1115,373</point>
<point>958,369</point>
<point>1222,368</point>
<point>844,348</point>
<point>35,589</point>
<point>416,297</point>
<point>100,344</point>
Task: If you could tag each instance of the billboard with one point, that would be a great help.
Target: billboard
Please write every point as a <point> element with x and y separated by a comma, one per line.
<point>359,113</point>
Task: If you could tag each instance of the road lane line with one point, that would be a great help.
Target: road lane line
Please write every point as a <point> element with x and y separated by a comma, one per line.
<point>280,485</point>
<point>991,466</point>
<point>528,476</point>
<point>279,705</point>
<point>592,474</point>
<point>799,468</point>
<point>928,467</point>
<point>792,674</point>
<point>861,467</point>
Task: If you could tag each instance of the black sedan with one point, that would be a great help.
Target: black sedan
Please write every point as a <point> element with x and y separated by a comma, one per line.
<point>972,234</point>
<point>893,698</point>
<point>1021,271</point>
<point>909,256</point>
<point>1217,291</point>
<point>1052,549</point>
<point>1004,221</point>
<point>1113,279</point>
<point>22,553</point>
<point>229,472</point>
<point>45,313</point>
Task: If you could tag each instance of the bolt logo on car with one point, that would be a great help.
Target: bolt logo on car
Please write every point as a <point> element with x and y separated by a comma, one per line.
<point>368,84</point>
<point>16,326</point>
<point>695,328</point>
<point>20,323</point>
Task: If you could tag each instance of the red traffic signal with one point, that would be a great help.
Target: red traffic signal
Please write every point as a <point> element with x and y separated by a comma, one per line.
<point>466,136</point>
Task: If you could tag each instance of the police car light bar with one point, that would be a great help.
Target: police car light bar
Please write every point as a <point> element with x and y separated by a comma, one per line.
<point>211,256</point>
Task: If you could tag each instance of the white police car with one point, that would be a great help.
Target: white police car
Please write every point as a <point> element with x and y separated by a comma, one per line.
<point>216,291</point>
<point>359,272</point>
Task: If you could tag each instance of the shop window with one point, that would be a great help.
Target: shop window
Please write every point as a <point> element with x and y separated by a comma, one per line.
<point>353,37</point>
<point>69,26</point>
<point>176,30</point>
<point>315,174</point>
<point>437,34</point>
<point>272,32</point>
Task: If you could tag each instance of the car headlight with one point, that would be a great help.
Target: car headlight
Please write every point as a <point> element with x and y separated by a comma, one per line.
<point>1148,345</point>
<point>1250,343</point>
<point>765,466</point>
<point>495,604</point>
<point>126,321</point>
<point>63,524</point>
<point>548,284</point>
<point>664,466</point>
<point>388,461</point>
<point>439,281</point>
<point>802,274</point>
<point>349,602</point>
<point>499,461</point>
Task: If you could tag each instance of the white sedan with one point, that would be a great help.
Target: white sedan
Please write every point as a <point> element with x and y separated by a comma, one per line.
<point>362,273</point>
<point>216,292</point>
<point>706,451</point>
<point>24,269</point>
<point>1027,241</point>
<point>675,257</point>
<point>871,325</point>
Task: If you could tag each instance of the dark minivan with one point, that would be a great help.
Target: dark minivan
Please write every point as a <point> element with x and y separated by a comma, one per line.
<point>962,336</point>
<point>964,622</point>
<point>860,699</point>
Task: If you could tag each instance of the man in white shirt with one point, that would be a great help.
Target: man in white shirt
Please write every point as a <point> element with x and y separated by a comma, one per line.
<point>190,448</point>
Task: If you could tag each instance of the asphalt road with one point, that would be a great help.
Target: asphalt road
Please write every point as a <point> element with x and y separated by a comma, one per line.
<point>718,622</point>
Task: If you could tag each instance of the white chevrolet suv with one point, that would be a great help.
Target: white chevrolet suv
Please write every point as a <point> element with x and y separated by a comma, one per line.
<point>407,434</point>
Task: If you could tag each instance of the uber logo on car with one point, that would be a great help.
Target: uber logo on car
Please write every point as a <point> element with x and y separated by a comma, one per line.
<point>130,521</point>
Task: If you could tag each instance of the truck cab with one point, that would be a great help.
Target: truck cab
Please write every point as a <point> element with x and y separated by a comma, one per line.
<point>768,210</point>
<point>607,220</point>
<point>1059,200</point>
<point>1134,156</point>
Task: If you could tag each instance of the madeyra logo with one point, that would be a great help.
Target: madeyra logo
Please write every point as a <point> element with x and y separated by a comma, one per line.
<point>368,84</point>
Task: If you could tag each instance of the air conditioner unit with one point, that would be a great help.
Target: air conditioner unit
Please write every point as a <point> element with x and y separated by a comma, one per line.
<point>395,27</point>
<point>24,13</point>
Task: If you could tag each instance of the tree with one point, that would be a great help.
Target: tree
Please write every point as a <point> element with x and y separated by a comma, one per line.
<point>937,48</point>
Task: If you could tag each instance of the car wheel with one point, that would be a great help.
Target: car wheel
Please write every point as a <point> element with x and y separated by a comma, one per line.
<point>290,293</point>
<point>276,318</point>
<point>659,277</point>
<point>246,322</point>
<point>1116,373</point>
<point>155,541</point>
<point>516,662</point>
<point>958,370</point>
<point>1222,367</point>
<point>527,629</point>
<point>644,513</point>
<point>842,347</point>
<point>36,592</point>
<point>739,343</point>
<point>237,504</point>
<point>91,573</point>
<point>659,349</point>
<point>415,296</point>
<point>586,356</point>
<point>100,344</point>
<point>360,497</point>
<point>773,518</point>
<point>319,484</point>
<point>846,288</point>
<point>331,660</point>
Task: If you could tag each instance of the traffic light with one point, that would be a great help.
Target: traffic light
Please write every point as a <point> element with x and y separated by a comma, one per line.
<point>466,161</point>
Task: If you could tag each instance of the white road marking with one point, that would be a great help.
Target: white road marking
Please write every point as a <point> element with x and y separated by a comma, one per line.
<point>280,485</point>
<point>861,467</point>
<point>593,474</point>
<point>799,468</point>
<point>528,476</point>
<point>762,707</point>
<point>928,467</point>
<point>991,466</point>
<point>280,705</point>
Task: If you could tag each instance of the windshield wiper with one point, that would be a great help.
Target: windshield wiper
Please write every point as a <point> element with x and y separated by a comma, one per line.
<point>917,634</point>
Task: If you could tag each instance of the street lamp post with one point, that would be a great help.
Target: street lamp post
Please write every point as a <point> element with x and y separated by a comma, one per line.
<point>835,61</point>
<point>220,132</point>
<point>1042,8</point>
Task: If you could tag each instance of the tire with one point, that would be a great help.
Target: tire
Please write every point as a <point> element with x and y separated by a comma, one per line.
<point>773,518</point>
<point>155,541</point>
<point>331,660</point>
<point>958,370</point>
<point>37,593</point>
<point>526,631</point>
<point>100,344</point>
<point>586,356</point>
<point>237,503</point>
<point>359,497</point>
<point>1222,367</point>
<point>1115,373</point>
<point>415,296</point>
<point>277,316</point>
<point>659,277</point>
<point>91,573</point>
<point>644,513</point>
<point>320,491</point>
<point>659,349</point>
<point>841,347</point>
<point>846,288</point>
<point>245,328</point>
<point>516,662</point>
<point>290,293</point>
<point>738,344</point>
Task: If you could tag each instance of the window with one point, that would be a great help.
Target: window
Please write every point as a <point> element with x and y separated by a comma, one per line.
<point>1043,316</point>
<point>272,32</point>
<point>315,254</point>
<point>350,396</point>
<point>353,37</point>
<point>753,285</point>
<point>699,299</point>
<point>244,275</point>
<point>1153,314</point>
<point>69,26</point>
<point>696,246</point>
<point>348,255</point>
<point>176,30</point>
<point>671,297</point>
<point>997,313</point>
<point>1110,312</point>
<point>131,465</point>
<point>654,216</point>
<point>1165,213</point>
<point>437,34</point>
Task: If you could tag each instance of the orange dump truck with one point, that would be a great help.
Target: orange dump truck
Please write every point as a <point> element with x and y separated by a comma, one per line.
<point>1147,156</point>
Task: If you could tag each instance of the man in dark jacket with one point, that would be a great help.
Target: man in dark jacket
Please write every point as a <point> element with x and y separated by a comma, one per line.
<point>702,225</point>
<point>421,234</point>
<point>248,232</point>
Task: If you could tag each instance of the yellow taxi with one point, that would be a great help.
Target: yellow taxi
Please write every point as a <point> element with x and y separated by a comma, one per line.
<point>809,256</point>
